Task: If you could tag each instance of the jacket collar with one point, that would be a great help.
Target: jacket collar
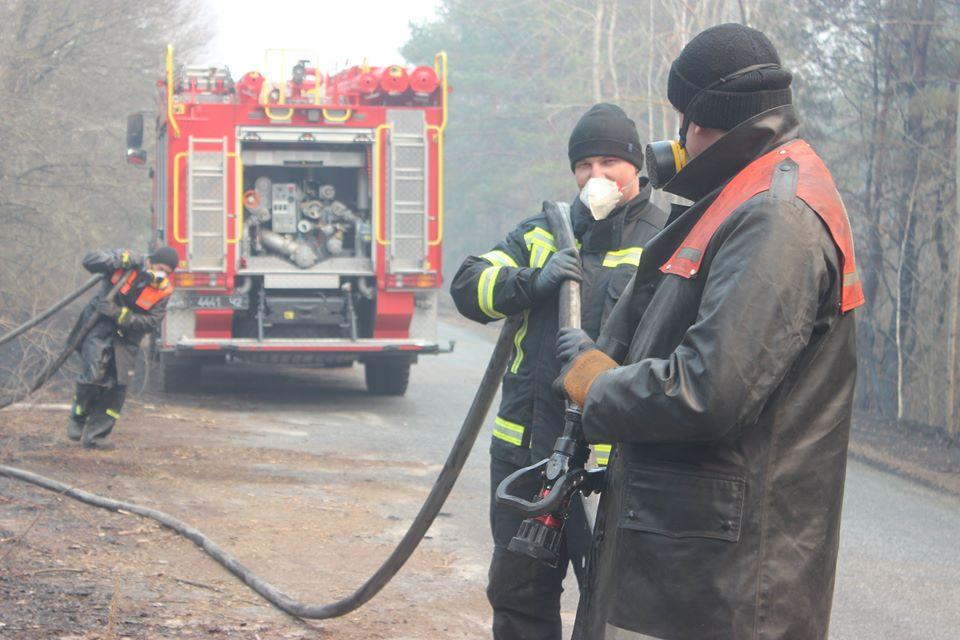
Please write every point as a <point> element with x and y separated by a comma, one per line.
<point>600,236</point>
<point>735,150</point>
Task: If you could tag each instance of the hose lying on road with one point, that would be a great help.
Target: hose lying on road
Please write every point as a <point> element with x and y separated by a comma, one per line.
<point>418,528</point>
<point>77,334</point>
<point>60,304</point>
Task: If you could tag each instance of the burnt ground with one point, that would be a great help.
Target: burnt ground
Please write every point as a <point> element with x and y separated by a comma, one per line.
<point>68,570</point>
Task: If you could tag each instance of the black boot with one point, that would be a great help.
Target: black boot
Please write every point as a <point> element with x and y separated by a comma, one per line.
<point>82,400</point>
<point>103,416</point>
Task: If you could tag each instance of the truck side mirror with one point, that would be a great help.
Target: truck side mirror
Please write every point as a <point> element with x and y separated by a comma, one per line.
<point>135,155</point>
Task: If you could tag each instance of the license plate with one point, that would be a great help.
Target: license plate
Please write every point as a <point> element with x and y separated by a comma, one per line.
<point>238,301</point>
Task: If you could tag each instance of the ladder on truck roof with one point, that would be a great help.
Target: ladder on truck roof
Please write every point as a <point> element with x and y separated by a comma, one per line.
<point>407,222</point>
<point>207,205</point>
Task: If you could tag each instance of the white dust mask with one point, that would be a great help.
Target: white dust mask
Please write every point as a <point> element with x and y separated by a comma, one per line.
<point>601,196</point>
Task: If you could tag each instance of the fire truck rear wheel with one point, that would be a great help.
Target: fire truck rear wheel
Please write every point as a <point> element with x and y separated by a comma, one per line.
<point>179,377</point>
<point>387,378</point>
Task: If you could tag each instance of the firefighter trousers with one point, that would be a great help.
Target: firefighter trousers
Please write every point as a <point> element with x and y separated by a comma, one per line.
<point>95,411</point>
<point>525,593</point>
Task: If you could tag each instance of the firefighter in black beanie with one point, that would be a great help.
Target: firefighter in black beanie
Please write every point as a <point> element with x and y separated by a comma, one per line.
<point>613,218</point>
<point>725,375</point>
<point>108,353</point>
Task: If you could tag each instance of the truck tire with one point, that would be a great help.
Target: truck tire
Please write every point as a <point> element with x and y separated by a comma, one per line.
<point>179,377</point>
<point>387,378</point>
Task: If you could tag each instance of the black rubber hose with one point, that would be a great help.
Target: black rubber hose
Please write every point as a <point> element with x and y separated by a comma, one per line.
<point>57,306</point>
<point>418,528</point>
<point>77,334</point>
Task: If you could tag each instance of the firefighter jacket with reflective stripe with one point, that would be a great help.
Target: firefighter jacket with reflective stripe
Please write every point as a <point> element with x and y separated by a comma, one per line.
<point>730,413</point>
<point>109,351</point>
<point>497,284</point>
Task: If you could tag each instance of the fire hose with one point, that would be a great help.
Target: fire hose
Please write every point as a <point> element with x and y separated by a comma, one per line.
<point>539,535</point>
<point>457,457</point>
<point>77,334</point>
<point>57,306</point>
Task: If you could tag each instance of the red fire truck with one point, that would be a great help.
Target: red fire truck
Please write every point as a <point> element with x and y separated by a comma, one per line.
<point>308,214</point>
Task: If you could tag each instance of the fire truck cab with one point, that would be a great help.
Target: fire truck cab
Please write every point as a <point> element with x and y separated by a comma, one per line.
<point>308,214</point>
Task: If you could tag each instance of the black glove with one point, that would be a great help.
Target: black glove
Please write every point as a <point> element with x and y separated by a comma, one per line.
<point>571,343</point>
<point>109,309</point>
<point>562,265</point>
<point>129,260</point>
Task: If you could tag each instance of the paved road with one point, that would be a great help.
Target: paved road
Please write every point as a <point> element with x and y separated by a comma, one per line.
<point>899,574</point>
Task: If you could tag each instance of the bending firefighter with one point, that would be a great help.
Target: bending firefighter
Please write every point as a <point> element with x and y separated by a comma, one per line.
<point>612,220</point>
<point>726,375</point>
<point>108,353</point>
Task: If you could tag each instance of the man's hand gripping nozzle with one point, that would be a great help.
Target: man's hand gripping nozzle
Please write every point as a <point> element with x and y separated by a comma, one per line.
<point>541,533</point>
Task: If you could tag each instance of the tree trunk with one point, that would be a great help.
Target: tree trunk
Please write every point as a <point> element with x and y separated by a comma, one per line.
<point>952,427</point>
<point>597,39</point>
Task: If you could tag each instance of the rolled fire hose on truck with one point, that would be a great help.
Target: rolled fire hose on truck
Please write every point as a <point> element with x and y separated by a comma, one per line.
<point>470,428</point>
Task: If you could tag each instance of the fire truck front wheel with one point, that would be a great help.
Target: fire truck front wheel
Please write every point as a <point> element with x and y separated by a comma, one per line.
<point>387,378</point>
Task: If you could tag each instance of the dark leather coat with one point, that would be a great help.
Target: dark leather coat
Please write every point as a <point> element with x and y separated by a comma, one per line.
<point>730,416</point>
<point>109,353</point>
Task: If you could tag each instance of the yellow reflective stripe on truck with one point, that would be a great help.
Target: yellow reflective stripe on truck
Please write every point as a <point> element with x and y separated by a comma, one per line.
<point>508,431</point>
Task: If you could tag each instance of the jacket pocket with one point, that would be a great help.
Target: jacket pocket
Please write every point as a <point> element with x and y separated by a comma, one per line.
<point>681,503</point>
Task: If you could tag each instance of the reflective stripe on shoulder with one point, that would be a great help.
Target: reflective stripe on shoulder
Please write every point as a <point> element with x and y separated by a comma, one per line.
<point>509,431</point>
<point>628,255</point>
<point>488,278</point>
<point>501,258</point>
<point>539,234</point>
<point>603,453</point>
<point>518,341</point>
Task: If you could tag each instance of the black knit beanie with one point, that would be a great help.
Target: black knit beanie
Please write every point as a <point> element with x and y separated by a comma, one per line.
<point>167,256</point>
<point>605,130</point>
<point>718,52</point>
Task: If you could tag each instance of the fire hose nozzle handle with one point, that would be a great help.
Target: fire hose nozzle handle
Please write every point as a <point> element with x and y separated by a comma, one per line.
<point>552,501</point>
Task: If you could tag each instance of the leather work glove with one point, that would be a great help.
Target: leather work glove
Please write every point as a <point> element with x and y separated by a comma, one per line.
<point>571,343</point>
<point>582,368</point>
<point>562,265</point>
<point>109,309</point>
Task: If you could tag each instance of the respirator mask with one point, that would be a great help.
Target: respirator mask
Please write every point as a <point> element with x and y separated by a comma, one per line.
<point>666,158</point>
<point>156,278</point>
<point>600,196</point>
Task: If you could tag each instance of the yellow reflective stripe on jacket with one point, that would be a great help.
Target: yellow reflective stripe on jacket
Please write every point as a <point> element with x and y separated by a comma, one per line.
<point>123,315</point>
<point>509,431</point>
<point>538,255</point>
<point>501,258</point>
<point>628,255</point>
<point>518,341</point>
<point>542,235</point>
<point>603,453</point>
<point>488,278</point>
